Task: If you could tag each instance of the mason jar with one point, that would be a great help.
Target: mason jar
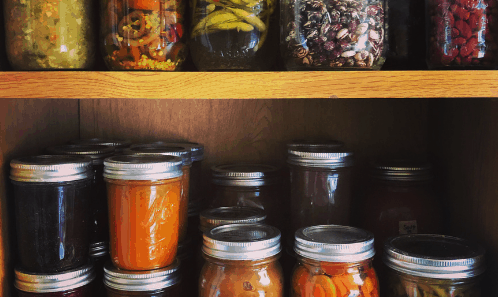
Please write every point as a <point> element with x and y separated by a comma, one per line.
<point>50,34</point>
<point>210,218</point>
<point>433,265</point>
<point>118,144</point>
<point>333,35</point>
<point>241,260</point>
<point>334,260</point>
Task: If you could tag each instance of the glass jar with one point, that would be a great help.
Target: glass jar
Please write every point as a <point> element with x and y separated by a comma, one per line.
<point>461,34</point>
<point>433,265</point>
<point>185,155</point>
<point>241,260</point>
<point>99,254</point>
<point>143,35</point>
<point>164,282</point>
<point>52,202</point>
<point>100,221</point>
<point>72,283</point>
<point>143,195</point>
<point>333,261</point>
<point>214,217</point>
<point>320,186</point>
<point>50,34</point>
<point>232,34</point>
<point>333,35</point>
<point>118,145</point>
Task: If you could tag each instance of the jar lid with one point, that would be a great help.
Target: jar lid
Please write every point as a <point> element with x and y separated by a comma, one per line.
<point>196,149</point>
<point>99,249</point>
<point>210,218</point>
<point>96,152</point>
<point>319,157</point>
<point>177,151</point>
<point>434,256</point>
<point>118,144</point>
<point>137,167</point>
<point>242,242</point>
<point>194,208</point>
<point>54,282</point>
<point>146,280</point>
<point>402,170</point>
<point>309,145</point>
<point>244,175</point>
<point>334,243</point>
<point>51,168</point>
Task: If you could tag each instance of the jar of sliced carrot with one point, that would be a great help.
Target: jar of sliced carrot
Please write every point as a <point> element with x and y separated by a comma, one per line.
<point>143,194</point>
<point>334,261</point>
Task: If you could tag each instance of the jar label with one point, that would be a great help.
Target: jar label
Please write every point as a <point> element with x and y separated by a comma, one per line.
<point>407,227</point>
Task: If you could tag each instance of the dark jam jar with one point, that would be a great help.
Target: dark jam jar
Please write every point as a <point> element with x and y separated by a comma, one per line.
<point>73,283</point>
<point>163,282</point>
<point>117,144</point>
<point>100,225</point>
<point>52,200</point>
<point>99,254</point>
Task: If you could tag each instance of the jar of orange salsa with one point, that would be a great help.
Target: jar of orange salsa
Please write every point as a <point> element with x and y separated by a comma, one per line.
<point>241,260</point>
<point>143,194</point>
<point>334,261</point>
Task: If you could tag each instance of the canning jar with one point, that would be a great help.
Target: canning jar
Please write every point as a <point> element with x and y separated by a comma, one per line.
<point>164,282</point>
<point>100,221</point>
<point>72,283</point>
<point>143,195</point>
<point>185,155</point>
<point>99,254</point>
<point>214,217</point>
<point>50,34</point>
<point>143,34</point>
<point>333,35</point>
<point>334,261</point>
<point>52,201</point>
<point>461,34</point>
<point>241,260</point>
<point>320,186</point>
<point>433,265</point>
<point>117,144</point>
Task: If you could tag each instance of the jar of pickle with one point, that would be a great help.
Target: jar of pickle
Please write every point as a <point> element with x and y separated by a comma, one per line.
<point>164,282</point>
<point>333,35</point>
<point>143,194</point>
<point>241,260</point>
<point>433,265</point>
<point>334,261</point>
<point>117,144</point>
<point>75,282</point>
<point>52,204</point>
<point>143,34</point>
<point>50,34</point>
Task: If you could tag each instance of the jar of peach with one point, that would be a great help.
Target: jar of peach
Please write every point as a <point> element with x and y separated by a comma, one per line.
<point>241,261</point>
<point>334,261</point>
<point>143,194</point>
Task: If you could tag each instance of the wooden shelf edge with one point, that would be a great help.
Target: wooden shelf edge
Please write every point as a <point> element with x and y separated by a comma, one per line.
<point>249,85</point>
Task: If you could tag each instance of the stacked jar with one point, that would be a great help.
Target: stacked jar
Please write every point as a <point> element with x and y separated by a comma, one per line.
<point>52,201</point>
<point>117,144</point>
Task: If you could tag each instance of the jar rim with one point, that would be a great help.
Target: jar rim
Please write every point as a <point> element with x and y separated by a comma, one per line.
<point>196,149</point>
<point>51,168</point>
<point>324,158</point>
<point>165,150</point>
<point>139,167</point>
<point>210,218</point>
<point>244,174</point>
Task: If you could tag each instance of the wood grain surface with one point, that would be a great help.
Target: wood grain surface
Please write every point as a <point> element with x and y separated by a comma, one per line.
<point>248,85</point>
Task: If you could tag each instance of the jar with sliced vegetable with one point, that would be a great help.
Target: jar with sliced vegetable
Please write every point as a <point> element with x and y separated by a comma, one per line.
<point>50,34</point>
<point>433,265</point>
<point>334,261</point>
<point>143,34</point>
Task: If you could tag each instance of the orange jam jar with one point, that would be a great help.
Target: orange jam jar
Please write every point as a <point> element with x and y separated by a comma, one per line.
<point>334,261</point>
<point>241,260</point>
<point>143,194</point>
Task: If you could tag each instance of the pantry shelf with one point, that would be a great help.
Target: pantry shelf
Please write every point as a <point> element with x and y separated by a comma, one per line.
<point>245,85</point>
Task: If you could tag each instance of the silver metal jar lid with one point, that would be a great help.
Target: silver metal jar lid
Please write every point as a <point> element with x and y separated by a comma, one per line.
<point>434,256</point>
<point>177,151</point>
<point>319,157</point>
<point>147,280</point>
<point>242,242</point>
<point>196,149</point>
<point>99,249</point>
<point>402,170</point>
<point>136,167</point>
<point>51,168</point>
<point>96,152</point>
<point>334,243</point>
<point>244,175</point>
<point>210,218</point>
<point>118,144</point>
<point>54,282</point>
<point>309,145</point>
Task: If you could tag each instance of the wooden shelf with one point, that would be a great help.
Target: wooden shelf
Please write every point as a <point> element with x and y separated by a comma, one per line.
<point>243,85</point>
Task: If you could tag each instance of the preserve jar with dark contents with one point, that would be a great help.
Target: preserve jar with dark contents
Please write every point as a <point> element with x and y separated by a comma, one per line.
<point>143,34</point>
<point>241,260</point>
<point>77,282</point>
<point>52,201</point>
<point>433,265</point>
<point>333,34</point>
<point>334,260</point>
